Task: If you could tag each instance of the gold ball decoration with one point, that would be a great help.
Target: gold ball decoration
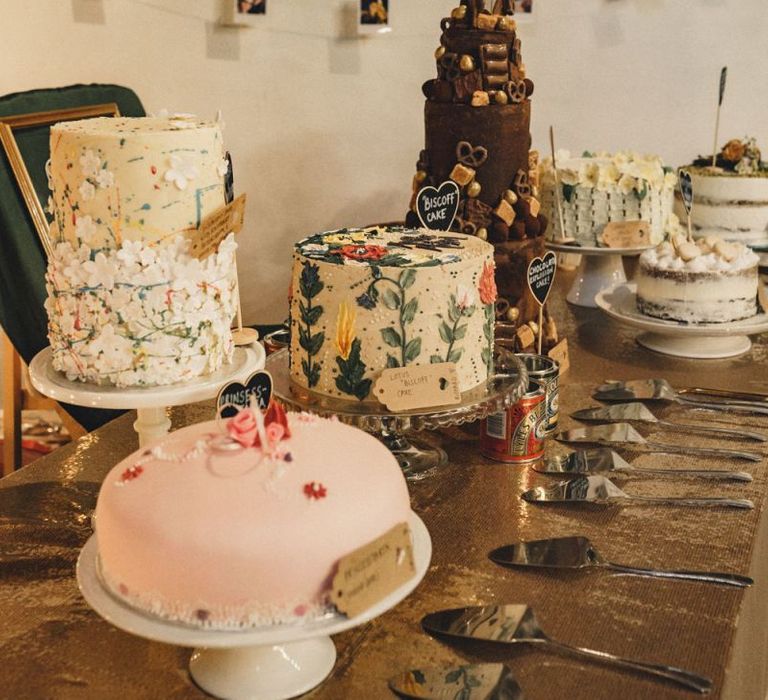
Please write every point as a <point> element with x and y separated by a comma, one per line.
<point>473,189</point>
<point>466,63</point>
<point>500,97</point>
<point>459,12</point>
<point>513,313</point>
<point>482,234</point>
<point>511,197</point>
<point>439,52</point>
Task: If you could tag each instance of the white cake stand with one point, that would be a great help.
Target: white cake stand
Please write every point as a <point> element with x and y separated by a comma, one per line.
<point>697,341</point>
<point>150,402</point>
<point>600,268</point>
<point>268,663</point>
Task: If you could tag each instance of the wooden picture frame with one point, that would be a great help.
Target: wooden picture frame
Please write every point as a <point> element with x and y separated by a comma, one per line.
<point>16,122</point>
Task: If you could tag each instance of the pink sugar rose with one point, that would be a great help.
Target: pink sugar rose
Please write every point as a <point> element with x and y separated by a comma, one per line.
<point>275,433</point>
<point>243,428</point>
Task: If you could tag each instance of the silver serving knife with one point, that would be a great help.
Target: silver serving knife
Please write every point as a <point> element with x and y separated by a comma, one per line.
<point>469,682</point>
<point>625,434</point>
<point>600,489</point>
<point>580,553</point>
<point>603,460</point>
<point>638,412</point>
<point>516,624</point>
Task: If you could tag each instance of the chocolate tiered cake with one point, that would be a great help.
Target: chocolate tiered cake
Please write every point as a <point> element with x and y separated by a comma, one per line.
<point>477,123</point>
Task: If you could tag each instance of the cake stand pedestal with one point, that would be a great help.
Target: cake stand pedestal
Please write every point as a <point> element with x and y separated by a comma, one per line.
<point>150,402</point>
<point>417,458</point>
<point>696,341</point>
<point>600,269</point>
<point>268,663</point>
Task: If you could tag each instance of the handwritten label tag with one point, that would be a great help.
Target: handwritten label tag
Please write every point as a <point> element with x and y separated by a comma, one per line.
<point>408,388</point>
<point>215,228</point>
<point>626,234</point>
<point>437,207</point>
<point>541,276</point>
<point>373,571</point>
<point>762,297</point>
<point>686,190</point>
<point>560,353</point>
<point>235,396</point>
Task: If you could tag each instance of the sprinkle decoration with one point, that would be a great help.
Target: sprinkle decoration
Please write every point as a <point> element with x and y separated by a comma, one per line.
<point>315,490</point>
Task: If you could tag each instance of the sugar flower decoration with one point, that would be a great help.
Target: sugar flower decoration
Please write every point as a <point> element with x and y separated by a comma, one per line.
<point>90,163</point>
<point>314,490</point>
<point>180,172</point>
<point>100,271</point>
<point>85,228</point>
<point>87,191</point>
<point>250,429</point>
<point>105,179</point>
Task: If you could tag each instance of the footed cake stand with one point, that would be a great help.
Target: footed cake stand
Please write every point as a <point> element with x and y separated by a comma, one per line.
<point>268,663</point>
<point>418,459</point>
<point>600,269</point>
<point>150,402</point>
<point>697,341</point>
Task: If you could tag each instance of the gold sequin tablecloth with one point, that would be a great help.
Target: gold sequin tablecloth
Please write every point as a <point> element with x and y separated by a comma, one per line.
<point>54,646</point>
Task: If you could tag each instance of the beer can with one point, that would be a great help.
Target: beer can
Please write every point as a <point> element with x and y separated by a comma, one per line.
<point>515,435</point>
<point>546,371</point>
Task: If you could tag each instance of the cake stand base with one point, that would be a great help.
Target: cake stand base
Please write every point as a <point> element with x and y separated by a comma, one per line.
<point>273,672</point>
<point>701,348</point>
<point>417,458</point>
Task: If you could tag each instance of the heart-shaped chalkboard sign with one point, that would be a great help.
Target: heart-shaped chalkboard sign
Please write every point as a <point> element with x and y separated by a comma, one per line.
<point>686,189</point>
<point>235,396</point>
<point>541,275</point>
<point>437,207</point>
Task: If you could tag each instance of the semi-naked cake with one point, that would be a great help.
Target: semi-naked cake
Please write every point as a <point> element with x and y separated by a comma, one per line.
<point>477,134</point>
<point>730,200</point>
<point>709,281</point>
<point>363,300</point>
<point>241,524</point>
<point>602,188</point>
<point>127,303</point>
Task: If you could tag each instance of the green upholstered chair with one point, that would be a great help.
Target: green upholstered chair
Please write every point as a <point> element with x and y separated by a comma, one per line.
<point>22,257</point>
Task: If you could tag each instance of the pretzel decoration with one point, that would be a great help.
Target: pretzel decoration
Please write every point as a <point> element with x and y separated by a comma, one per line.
<point>466,227</point>
<point>515,90</point>
<point>522,184</point>
<point>502,306</point>
<point>469,155</point>
<point>449,62</point>
<point>504,7</point>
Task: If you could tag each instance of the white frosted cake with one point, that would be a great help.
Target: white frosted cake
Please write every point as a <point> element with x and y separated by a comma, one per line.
<point>709,281</point>
<point>127,304</point>
<point>597,189</point>
<point>367,299</point>
<point>730,200</point>
<point>238,525</point>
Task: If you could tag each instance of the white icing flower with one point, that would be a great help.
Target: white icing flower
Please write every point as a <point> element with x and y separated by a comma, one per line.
<point>129,252</point>
<point>589,174</point>
<point>465,297</point>
<point>51,208</point>
<point>111,346</point>
<point>85,228</point>
<point>568,176</point>
<point>180,172</point>
<point>223,167</point>
<point>100,272</point>
<point>670,180</point>
<point>317,248</point>
<point>627,184</point>
<point>87,191</point>
<point>105,178</point>
<point>90,163</point>
<point>608,176</point>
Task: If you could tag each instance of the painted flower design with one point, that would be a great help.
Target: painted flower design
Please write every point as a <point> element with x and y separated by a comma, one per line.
<point>363,252</point>
<point>487,285</point>
<point>180,172</point>
<point>87,191</point>
<point>465,297</point>
<point>105,179</point>
<point>345,330</point>
<point>366,301</point>
<point>344,238</point>
<point>314,490</point>
<point>90,163</point>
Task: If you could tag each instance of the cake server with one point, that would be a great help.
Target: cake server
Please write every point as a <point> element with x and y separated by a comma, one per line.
<point>625,434</point>
<point>661,390</point>
<point>638,412</point>
<point>600,489</point>
<point>468,682</point>
<point>517,624</point>
<point>604,461</point>
<point>580,553</point>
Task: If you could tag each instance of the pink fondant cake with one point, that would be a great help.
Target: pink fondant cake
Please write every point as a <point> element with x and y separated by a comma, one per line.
<point>209,528</point>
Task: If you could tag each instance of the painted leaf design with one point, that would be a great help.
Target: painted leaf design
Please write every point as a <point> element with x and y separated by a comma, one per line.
<point>455,354</point>
<point>309,281</point>
<point>315,343</point>
<point>641,194</point>
<point>376,272</point>
<point>352,372</point>
<point>454,312</point>
<point>435,359</point>
<point>407,278</point>
<point>412,349</point>
<point>312,315</point>
<point>446,332</point>
<point>568,192</point>
<point>392,362</point>
<point>391,337</point>
<point>460,332</point>
<point>390,299</point>
<point>453,676</point>
<point>409,310</point>
<point>314,375</point>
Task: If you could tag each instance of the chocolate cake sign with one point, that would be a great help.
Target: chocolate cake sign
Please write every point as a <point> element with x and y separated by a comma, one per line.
<point>541,276</point>
<point>235,396</point>
<point>437,207</point>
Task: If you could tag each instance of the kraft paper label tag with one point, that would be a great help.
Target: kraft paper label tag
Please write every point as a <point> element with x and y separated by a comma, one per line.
<point>560,353</point>
<point>626,234</point>
<point>373,571</point>
<point>762,297</point>
<point>216,227</point>
<point>408,388</point>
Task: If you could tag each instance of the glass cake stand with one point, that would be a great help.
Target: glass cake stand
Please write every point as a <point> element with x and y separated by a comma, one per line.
<point>692,340</point>
<point>600,268</point>
<point>270,663</point>
<point>417,458</point>
<point>150,402</point>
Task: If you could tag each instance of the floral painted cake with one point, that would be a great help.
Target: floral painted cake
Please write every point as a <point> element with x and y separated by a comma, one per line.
<point>600,188</point>
<point>730,200</point>
<point>127,302</point>
<point>366,299</point>
<point>240,524</point>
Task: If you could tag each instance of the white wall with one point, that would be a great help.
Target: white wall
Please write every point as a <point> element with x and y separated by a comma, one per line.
<point>325,130</point>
